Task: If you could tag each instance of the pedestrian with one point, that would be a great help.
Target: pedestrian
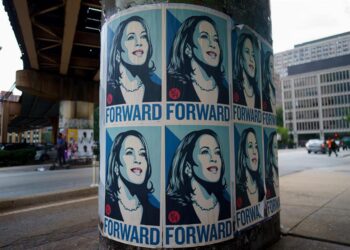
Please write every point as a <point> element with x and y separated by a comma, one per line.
<point>334,147</point>
<point>60,149</point>
<point>329,146</point>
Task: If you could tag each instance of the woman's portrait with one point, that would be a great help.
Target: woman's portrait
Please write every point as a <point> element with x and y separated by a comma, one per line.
<point>249,181</point>
<point>130,66</point>
<point>271,166</point>
<point>128,185</point>
<point>196,191</point>
<point>195,68</point>
<point>245,72</point>
<point>269,90</point>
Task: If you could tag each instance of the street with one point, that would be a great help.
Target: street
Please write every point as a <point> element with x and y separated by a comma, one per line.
<point>73,223</point>
<point>295,160</point>
<point>26,180</point>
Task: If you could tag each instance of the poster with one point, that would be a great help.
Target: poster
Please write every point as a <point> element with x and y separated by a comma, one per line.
<point>198,200</point>
<point>176,116</point>
<point>72,138</point>
<point>85,143</point>
<point>249,173</point>
<point>132,206</point>
<point>271,171</point>
<point>246,75</point>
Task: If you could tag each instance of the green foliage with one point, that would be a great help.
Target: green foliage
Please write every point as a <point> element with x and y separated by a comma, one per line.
<point>279,116</point>
<point>284,134</point>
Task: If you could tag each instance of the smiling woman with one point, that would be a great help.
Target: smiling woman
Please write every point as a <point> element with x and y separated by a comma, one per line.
<point>249,183</point>
<point>128,181</point>
<point>195,193</point>
<point>195,70</point>
<point>130,65</point>
<point>245,77</point>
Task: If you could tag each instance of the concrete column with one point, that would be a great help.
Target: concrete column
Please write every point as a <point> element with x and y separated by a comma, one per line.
<point>255,14</point>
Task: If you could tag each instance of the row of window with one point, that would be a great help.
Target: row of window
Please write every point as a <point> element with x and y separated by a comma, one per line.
<point>336,124</point>
<point>288,94</point>
<point>307,114</point>
<point>305,81</point>
<point>287,84</point>
<point>335,76</point>
<point>306,92</point>
<point>302,126</point>
<point>335,88</point>
<point>335,112</point>
<point>307,103</point>
<point>289,126</point>
<point>335,100</point>
<point>289,116</point>
<point>288,105</point>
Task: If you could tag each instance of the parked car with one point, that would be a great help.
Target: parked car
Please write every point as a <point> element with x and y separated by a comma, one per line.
<point>16,153</point>
<point>45,152</point>
<point>346,142</point>
<point>316,146</point>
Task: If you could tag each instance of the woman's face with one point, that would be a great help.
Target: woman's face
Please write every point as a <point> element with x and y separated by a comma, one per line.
<point>207,157</point>
<point>206,41</point>
<point>248,57</point>
<point>252,152</point>
<point>134,44</point>
<point>133,158</point>
<point>275,150</point>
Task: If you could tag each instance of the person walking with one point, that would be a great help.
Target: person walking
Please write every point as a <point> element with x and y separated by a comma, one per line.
<point>60,150</point>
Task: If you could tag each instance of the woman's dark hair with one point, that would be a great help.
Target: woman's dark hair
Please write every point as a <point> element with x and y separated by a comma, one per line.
<point>269,162</point>
<point>113,66</point>
<point>179,183</point>
<point>238,65</point>
<point>114,162</point>
<point>267,77</point>
<point>241,177</point>
<point>179,66</point>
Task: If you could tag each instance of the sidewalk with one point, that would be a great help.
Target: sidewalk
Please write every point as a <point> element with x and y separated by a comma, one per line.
<point>315,214</point>
<point>315,209</point>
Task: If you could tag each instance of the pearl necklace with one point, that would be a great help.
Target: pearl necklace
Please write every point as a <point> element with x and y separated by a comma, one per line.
<point>203,208</point>
<point>130,209</point>
<point>204,89</point>
<point>132,90</point>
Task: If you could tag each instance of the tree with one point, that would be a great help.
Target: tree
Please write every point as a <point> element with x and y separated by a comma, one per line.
<point>279,116</point>
<point>284,134</point>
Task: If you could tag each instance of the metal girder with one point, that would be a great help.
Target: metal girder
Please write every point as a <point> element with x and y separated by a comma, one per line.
<point>70,23</point>
<point>25,24</point>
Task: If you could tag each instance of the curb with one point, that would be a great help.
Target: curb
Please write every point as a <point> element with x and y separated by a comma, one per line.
<point>14,204</point>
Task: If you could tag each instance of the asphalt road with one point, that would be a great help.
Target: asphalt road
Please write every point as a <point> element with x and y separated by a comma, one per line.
<point>27,180</point>
<point>295,160</point>
<point>73,224</point>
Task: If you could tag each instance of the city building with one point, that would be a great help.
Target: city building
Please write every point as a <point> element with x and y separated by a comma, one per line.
<point>316,99</point>
<point>328,47</point>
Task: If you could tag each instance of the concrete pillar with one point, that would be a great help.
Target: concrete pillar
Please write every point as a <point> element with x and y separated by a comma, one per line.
<point>256,15</point>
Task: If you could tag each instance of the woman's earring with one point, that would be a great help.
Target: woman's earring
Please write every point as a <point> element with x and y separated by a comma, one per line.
<point>188,170</point>
<point>116,171</point>
<point>188,51</point>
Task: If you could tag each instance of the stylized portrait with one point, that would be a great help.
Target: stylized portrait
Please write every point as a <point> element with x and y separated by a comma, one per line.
<point>130,66</point>
<point>249,182</point>
<point>269,90</point>
<point>245,73</point>
<point>128,186</point>
<point>271,167</point>
<point>195,69</point>
<point>196,186</point>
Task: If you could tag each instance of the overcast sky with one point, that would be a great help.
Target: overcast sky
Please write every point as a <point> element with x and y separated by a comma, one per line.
<point>293,22</point>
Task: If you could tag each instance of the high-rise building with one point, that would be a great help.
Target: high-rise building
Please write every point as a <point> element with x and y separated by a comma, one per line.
<point>328,47</point>
<point>316,88</point>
